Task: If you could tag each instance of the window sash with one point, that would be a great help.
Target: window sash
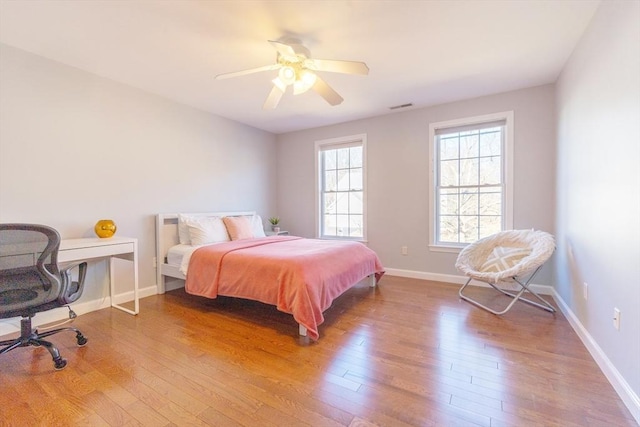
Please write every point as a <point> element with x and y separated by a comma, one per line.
<point>341,190</point>
<point>470,127</point>
<point>491,188</point>
<point>469,225</point>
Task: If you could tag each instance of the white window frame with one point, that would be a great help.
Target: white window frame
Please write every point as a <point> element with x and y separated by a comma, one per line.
<point>507,173</point>
<point>359,139</point>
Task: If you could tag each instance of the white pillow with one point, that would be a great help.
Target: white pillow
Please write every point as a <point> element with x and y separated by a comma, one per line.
<point>183,229</point>
<point>257,226</point>
<point>206,230</point>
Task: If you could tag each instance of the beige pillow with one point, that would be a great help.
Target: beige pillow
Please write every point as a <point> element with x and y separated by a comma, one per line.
<point>239,227</point>
<point>503,258</point>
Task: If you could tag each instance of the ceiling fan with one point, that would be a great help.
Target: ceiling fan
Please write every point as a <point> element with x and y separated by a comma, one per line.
<point>298,69</point>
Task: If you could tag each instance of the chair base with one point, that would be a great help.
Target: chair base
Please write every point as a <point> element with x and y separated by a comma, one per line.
<point>516,297</point>
<point>31,337</point>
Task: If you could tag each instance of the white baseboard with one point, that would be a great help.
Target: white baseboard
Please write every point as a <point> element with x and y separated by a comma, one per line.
<point>173,285</point>
<point>142,293</point>
<point>452,278</point>
<point>423,275</point>
<point>10,326</point>
<point>621,386</point>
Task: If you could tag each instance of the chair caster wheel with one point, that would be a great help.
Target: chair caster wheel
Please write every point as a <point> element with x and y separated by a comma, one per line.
<point>59,363</point>
<point>82,341</point>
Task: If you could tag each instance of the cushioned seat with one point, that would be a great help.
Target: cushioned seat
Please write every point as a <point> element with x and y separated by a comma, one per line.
<point>503,260</point>
<point>31,282</point>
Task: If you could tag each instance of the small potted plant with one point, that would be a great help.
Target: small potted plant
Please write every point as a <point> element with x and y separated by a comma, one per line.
<point>275,221</point>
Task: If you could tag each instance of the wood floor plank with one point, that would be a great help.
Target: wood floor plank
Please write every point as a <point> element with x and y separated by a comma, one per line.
<point>358,404</point>
<point>108,410</point>
<point>407,353</point>
<point>12,407</point>
<point>146,415</point>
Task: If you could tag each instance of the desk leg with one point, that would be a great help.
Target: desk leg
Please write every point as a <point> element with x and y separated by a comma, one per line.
<point>112,284</point>
<point>136,302</point>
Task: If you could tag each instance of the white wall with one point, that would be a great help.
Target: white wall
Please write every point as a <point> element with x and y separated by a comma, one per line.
<point>598,203</point>
<point>75,148</point>
<point>398,175</point>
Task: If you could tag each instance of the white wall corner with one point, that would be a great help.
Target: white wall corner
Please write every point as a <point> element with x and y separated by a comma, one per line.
<point>624,390</point>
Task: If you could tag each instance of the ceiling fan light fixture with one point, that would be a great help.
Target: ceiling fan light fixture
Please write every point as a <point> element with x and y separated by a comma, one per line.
<point>296,68</point>
<point>287,74</point>
<point>304,82</point>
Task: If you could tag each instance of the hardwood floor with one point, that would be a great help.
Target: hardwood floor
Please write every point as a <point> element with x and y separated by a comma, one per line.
<point>408,353</point>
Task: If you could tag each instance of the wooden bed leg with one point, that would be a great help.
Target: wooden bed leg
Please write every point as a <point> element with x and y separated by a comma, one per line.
<point>372,280</point>
<point>302,330</point>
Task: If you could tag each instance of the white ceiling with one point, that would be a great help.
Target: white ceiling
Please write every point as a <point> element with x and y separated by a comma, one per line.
<point>420,52</point>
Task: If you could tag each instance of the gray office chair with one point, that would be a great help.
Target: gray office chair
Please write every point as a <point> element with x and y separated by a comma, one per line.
<point>31,282</point>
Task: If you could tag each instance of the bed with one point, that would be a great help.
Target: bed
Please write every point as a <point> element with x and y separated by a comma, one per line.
<point>299,276</point>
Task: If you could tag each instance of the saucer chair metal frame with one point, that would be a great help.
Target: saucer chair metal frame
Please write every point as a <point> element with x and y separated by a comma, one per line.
<point>473,256</point>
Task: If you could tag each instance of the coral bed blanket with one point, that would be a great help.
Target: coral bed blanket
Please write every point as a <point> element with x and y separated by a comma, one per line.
<point>299,276</point>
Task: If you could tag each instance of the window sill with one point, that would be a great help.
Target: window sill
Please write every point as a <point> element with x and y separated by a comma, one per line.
<point>349,239</point>
<point>446,248</point>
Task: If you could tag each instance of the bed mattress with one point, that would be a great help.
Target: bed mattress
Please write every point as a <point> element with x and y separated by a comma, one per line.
<point>177,253</point>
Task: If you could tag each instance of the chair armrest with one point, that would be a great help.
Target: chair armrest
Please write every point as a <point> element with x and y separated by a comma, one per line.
<point>72,290</point>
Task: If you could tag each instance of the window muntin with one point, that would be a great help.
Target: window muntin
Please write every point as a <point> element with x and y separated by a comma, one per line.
<point>471,169</point>
<point>341,190</point>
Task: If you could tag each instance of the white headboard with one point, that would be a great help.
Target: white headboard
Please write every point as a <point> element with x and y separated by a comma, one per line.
<point>167,236</point>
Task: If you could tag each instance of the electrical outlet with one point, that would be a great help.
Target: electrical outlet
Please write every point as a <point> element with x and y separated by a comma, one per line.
<point>585,290</point>
<point>616,318</point>
<point>404,250</point>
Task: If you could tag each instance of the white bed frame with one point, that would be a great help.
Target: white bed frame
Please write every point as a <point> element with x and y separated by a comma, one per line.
<point>167,236</point>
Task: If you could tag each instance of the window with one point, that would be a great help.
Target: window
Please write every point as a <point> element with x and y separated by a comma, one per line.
<point>471,195</point>
<point>341,188</point>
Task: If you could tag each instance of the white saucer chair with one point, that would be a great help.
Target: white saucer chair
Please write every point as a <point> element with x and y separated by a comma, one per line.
<point>507,259</point>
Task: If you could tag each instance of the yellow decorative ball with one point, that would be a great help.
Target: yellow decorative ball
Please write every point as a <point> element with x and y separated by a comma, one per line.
<point>105,228</point>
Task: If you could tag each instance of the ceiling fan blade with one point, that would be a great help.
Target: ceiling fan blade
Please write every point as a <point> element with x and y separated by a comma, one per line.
<point>249,71</point>
<point>286,51</point>
<point>334,66</point>
<point>273,99</point>
<point>327,92</point>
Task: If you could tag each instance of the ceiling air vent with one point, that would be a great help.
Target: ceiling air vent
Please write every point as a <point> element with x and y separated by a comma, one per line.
<point>396,107</point>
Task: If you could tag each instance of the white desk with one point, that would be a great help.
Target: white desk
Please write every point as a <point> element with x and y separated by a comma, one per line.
<point>93,247</point>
